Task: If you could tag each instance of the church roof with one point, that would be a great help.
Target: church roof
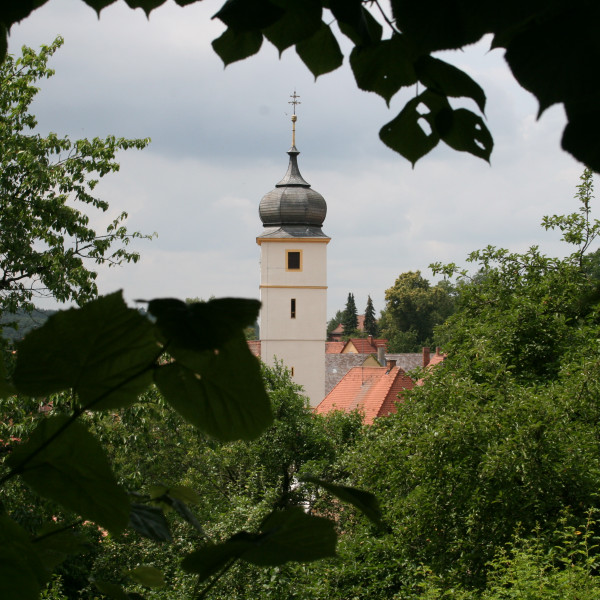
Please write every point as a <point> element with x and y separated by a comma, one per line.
<point>293,209</point>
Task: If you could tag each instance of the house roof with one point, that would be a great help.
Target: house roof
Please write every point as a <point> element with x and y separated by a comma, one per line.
<point>372,390</point>
<point>364,345</point>
<point>254,346</point>
<point>436,359</point>
<point>407,360</point>
<point>339,330</point>
<point>334,347</point>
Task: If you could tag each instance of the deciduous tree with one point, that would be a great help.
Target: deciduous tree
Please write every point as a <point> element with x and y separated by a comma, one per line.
<point>413,308</point>
<point>523,312</point>
<point>47,244</point>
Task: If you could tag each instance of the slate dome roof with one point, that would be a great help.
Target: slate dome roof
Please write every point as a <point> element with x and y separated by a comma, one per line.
<point>293,203</point>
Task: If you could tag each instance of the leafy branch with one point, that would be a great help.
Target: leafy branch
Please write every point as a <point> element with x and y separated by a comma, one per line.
<point>107,354</point>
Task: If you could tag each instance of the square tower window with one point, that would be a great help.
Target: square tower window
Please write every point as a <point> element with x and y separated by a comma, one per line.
<point>293,308</point>
<point>293,260</point>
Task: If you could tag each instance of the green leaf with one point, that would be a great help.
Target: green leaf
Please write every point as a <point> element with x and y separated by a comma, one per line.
<point>405,135</point>
<point>581,137</point>
<point>21,571</point>
<point>175,498</point>
<point>292,534</point>
<point>16,10</point>
<point>54,544</point>
<point>187,515</point>
<point>112,590</point>
<point>356,22</point>
<point>220,392</point>
<point>150,522</point>
<point>71,468</point>
<point>181,492</point>
<point>286,535</point>
<point>364,501</point>
<point>146,5</point>
<point>300,21</point>
<point>441,24</point>
<point>320,53</point>
<point>553,57</point>
<point>210,559</point>
<point>202,325</point>
<point>104,351</point>
<point>249,15</point>
<point>383,68</point>
<point>6,387</point>
<point>98,5</point>
<point>3,42</point>
<point>441,77</point>
<point>235,45</point>
<point>148,576</point>
<point>468,133</point>
<point>184,493</point>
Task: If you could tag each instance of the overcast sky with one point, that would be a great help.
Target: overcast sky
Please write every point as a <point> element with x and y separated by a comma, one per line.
<point>219,142</point>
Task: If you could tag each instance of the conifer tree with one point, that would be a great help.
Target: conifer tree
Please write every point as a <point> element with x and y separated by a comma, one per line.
<point>350,319</point>
<point>371,327</point>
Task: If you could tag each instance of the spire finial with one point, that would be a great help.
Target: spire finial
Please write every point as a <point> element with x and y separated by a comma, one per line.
<point>294,101</point>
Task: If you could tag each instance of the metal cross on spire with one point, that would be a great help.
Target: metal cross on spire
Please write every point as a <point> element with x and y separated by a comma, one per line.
<point>294,101</point>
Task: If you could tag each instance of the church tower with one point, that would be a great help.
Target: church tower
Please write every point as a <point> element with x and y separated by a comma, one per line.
<point>293,277</point>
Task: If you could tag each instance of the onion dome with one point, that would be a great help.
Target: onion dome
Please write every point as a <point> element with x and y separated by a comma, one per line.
<point>293,208</point>
<point>293,202</point>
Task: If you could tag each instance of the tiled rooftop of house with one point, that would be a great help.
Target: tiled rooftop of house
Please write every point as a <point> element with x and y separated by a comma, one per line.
<point>371,390</point>
<point>436,359</point>
<point>254,346</point>
<point>366,345</point>
<point>334,347</point>
<point>339,330</point>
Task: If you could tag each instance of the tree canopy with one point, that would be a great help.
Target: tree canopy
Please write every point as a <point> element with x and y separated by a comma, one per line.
<point>47,183</point>
<point>100,359</point>
<point>550,47</point>
<point>523,312</point>
<point>413,309</point>
<point>488,474</point>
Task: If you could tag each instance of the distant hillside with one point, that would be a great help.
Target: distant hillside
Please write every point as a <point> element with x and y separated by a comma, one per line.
<point>23,322</point>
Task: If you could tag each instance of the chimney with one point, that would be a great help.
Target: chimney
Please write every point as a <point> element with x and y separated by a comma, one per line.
<point>390,363</point>
<point>426,356</point>
<point>381,355</point>
<point>370,338</point>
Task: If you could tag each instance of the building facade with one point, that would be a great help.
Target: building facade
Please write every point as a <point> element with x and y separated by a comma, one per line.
<point>293,278</point>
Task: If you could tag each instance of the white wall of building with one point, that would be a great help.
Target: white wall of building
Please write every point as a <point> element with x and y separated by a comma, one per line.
<point>296,339</point>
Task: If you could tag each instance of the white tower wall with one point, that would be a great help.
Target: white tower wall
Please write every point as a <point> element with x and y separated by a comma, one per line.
<point>293,318</point>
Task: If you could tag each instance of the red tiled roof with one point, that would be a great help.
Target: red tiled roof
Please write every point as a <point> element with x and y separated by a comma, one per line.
<point>254,346</point>
<point>340,328</point>
<point>366,346</point>
<point>334,347</point>
<point>372,390</point>
<point>436,359</point>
